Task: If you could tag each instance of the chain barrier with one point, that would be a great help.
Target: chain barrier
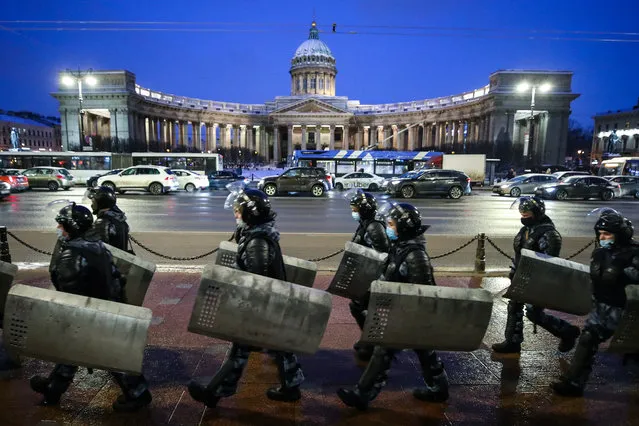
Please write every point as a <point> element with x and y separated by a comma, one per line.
<point>12,235</point>
<point>572,256</point>
<point>497,248</point>
<point>448,253</point>
<point>208,253</point>
<point>318,259</point>
<point>580,250</point>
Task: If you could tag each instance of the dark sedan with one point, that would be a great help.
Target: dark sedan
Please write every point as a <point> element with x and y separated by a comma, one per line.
<point>219,180</point>
<point>583,187</point>
<point>451,183</point>
<point>92,182</point>
<point>629,185</point>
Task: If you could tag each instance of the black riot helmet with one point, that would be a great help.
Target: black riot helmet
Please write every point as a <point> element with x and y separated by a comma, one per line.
<point>75,219</point>
<point>102,197</point>
<point>407,218</point>
<point>366,204</point>
<point>254,206</point>
<point>532,204</point>
<point>612,221</point>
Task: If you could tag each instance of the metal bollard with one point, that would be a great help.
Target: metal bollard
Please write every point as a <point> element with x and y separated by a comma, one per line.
<point>480,254</point>
<point>5,254</point>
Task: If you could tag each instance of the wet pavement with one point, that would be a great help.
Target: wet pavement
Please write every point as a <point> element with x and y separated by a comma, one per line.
<point>485,389</point>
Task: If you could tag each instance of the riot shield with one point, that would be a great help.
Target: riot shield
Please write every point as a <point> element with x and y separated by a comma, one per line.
<point>8,272</point>
<point>359,267</point>
<point>138,273</point>
<point>298,271</point>
<point>71,329</point>
<point>552,283</point>
<point>626,337</point>
<point>259,311</point>
<point>413,316</point>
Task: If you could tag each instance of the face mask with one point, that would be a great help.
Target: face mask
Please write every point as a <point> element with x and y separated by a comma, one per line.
<point>355,216</point>
<point>606,243</point>
<point>239,222</point>
<point>392,235</point>
<point>60,233</point>
<point>528,221</point>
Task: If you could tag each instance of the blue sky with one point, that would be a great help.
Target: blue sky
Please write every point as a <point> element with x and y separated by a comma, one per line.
<point>252,67</point>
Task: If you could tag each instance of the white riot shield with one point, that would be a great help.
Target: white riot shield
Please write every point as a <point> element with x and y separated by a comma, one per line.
<point>138,273</point>
<point>552,283</point>
<point>413,316</point>
<point>259,311</point>
<point>77,330</point>
<point>359,267</point>
<point>626,337</point>
<point>298,271</point>
<point>8,272</point>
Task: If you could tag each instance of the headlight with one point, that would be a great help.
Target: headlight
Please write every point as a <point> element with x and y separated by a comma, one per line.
<point>261,182</point>
<point>504,186</point>
<point>394,182</point>
<point>548,189</point>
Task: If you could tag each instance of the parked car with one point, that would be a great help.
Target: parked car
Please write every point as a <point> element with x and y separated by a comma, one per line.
<point>524,184</point>
<point>452,183</point>
<point>297,179</point>
<point>219,180</point>
<point>584,187</point>
<point>363,180</point>
<point>16,181</point>
<point>50,177</point>
<point>190,181</point>
<point>155,179</point>
<point>5,190</point>
<point>92,182</point>
<point>563,175</point>
<point>629,184</point>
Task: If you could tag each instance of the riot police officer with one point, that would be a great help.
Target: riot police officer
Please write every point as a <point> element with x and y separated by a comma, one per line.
<point>371,233</point>
<point>613,266</point>
<point>84,266</point>
<point>538,233</point>
<point>110,224</point>
<point>259,253</point>
<point>407,262</point>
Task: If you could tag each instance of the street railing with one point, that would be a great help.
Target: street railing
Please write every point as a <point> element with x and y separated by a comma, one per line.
<point>479,265</point>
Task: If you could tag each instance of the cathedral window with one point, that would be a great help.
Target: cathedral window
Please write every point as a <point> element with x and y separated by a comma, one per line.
<point>313,83</point>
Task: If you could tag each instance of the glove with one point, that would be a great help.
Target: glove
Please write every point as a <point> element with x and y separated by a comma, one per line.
<point>511,274</point>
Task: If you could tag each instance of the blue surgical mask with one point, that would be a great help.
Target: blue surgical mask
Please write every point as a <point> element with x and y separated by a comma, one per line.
<point>606,243</point>
<point>392,235</point>
<point>355,216</point>
<point>59,233</point>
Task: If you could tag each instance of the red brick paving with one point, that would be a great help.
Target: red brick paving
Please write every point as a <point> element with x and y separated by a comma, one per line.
<point>485,389</point>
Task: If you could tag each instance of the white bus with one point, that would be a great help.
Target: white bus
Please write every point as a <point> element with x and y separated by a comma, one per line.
<point>620,166</point>
<point>83,165</point>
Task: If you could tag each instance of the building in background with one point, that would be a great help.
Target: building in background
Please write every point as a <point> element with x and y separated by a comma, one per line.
<point>616,134</point>
<point>118,113</point>
<point>25,130</point>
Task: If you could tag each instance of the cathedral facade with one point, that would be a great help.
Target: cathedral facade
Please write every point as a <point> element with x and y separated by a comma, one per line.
<point>496,116</point>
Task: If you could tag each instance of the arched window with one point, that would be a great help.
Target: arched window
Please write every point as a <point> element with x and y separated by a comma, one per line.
<point>321,84</point>
<point>305,86</point>
<point>298,85</point>
<point>313,83</point>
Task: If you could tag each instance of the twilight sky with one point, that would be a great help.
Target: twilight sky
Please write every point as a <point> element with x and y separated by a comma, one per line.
<point>457,44</point>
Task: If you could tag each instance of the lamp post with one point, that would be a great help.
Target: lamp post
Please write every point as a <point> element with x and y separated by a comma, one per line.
<point>76,77</point>
<point>524,87</point>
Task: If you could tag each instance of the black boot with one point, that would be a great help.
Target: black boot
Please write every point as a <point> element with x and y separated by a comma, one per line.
<point>125,404</point>
<point>514,332</point>
<point>364,352</point>
<point>558,327</point>
<point>573,382</point>
<point>201,393</point>
<point>285,394</point>
<point>55,385</point>
<point>435,378</point>
<point>371,382</point>
<point>353,398</point>
<point>569,339</point>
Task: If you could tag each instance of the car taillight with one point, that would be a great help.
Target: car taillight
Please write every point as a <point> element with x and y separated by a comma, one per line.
<point>468,180</point>
<point>59,176</point>
<point>168,178</point>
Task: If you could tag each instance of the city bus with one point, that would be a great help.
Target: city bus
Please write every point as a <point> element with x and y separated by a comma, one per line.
<point>620,166</point>
<point>381,163</point>
<point>83,165</point>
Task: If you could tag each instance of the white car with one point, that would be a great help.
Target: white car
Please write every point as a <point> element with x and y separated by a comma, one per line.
<point>359,180</point>
<point>190,181</point>
<point>155,179</point>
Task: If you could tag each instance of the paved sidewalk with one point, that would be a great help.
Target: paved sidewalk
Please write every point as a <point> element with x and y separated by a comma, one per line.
<point>485,389</point>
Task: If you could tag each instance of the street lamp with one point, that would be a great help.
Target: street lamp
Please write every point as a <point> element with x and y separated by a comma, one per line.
<point>76,77</point>
<point>524,87</point>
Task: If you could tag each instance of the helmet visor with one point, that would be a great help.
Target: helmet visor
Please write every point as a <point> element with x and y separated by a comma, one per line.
<point>235,190</point>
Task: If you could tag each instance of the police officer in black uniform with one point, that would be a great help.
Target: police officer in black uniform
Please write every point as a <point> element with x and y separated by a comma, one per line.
<point>110,224</point>
<point>613,266</point>
<point>407,262</point>
<point>538,234</point>
<point>370,233</point>
<point>84,266</point>
<point>259,253</point>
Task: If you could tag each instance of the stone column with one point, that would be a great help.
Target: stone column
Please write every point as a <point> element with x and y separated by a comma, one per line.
<point>388,141</point>
<point>318,137</point>
<point>345,137</point>
<point>372,135</point>
<point>304,137</point>
<point>331,140</point>
<point>366,136</point>
<point>264,144</point>
<point>236,136</point>
<point>276,145</point>
<point>197,134</point>
<point>289,141</point>
<point>411,138</point>
<point>358,139</point>
<point>395,143</point>
<point>242,142</point>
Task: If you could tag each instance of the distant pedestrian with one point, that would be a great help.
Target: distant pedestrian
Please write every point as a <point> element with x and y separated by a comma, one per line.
<point>511,174</point>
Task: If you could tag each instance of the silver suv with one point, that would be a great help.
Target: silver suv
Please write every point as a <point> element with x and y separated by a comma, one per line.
<point>49,177</point>
<point>155,179</point>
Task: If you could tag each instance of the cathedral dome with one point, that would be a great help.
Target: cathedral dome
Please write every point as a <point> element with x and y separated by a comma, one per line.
<point>313,52</point>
